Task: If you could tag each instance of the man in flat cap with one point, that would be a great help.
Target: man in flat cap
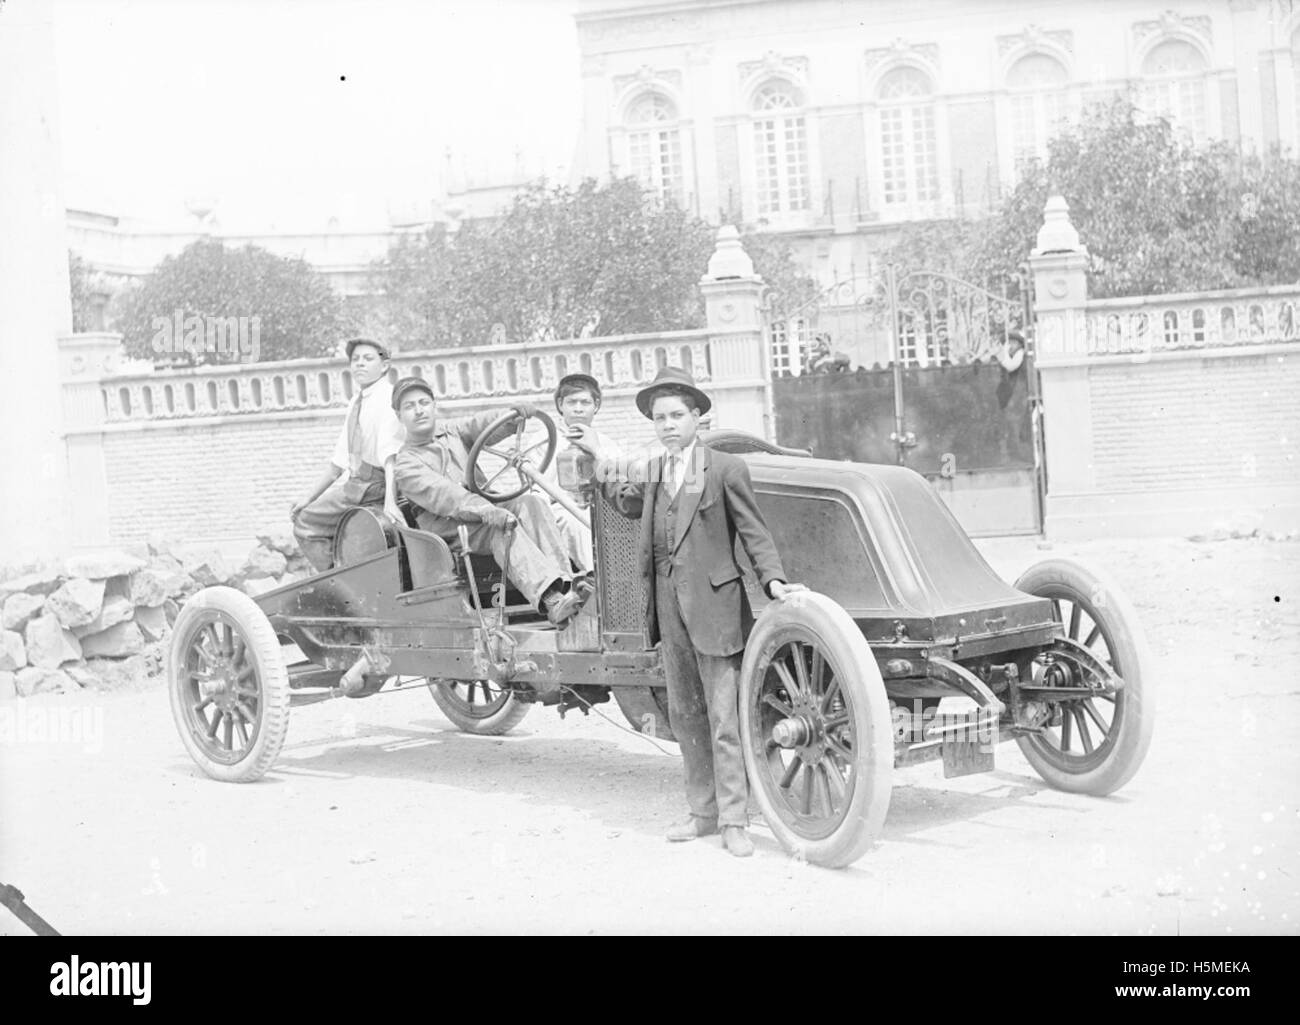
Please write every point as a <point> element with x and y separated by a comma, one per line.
<point>692,505</point>
<point>430,468</point>
<point>361,469</point>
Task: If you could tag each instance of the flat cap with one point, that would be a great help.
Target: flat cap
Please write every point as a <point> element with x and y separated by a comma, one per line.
<point>408,384</point>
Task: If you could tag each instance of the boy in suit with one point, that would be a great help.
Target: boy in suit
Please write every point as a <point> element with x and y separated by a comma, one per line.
<point>691,508</point>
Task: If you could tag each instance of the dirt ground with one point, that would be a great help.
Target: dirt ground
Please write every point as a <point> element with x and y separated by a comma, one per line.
<point>381,818</point>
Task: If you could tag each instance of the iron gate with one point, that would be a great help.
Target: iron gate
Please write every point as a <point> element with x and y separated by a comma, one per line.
<point>902,367</point>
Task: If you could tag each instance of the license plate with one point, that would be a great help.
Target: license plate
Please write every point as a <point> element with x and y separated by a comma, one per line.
<point>968,746</point>
<point>966,759</point>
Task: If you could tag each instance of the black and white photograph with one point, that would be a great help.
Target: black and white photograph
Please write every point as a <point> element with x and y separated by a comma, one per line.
<point>651,468</point>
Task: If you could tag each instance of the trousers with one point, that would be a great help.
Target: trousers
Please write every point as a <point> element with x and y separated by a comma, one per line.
<point>575,537</point>
<point>704,711</point>
<point>537,558</point>
<point>315,525</point>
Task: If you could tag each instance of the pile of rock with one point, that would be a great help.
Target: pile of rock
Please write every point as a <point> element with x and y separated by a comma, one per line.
<point>103,620</point>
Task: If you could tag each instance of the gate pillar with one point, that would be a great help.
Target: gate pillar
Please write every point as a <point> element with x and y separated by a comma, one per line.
<point>1059,264</point>
<point>739,361</point>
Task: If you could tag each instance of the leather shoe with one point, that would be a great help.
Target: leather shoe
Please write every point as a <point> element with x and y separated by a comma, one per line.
<point>691,828</point>
<point>737,841</point>
<point>584,586</point>
<point>561,607</point>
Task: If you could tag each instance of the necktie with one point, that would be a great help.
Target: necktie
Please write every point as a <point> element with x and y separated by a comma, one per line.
<point>674,463</point>
<point>354,434</point>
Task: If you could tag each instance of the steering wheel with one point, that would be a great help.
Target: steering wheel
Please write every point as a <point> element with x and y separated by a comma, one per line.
<point>513,452</point>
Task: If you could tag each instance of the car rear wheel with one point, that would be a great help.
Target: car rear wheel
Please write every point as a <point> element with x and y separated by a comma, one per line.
<point>479,706</point>
<point>815,729</point>
<point>1093,745</point>
<point>228,685</point>
<point>646,708</point>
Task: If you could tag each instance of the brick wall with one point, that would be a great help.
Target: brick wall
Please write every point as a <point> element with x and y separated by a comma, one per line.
<point>1210,422</point>
<point>228,481</point>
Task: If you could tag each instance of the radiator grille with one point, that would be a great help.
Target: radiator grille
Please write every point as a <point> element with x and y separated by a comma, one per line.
<point>622,592</point>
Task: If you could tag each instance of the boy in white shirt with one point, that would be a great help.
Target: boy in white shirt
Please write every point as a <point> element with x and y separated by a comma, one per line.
<point>361,469</point>
<point>577,399</point>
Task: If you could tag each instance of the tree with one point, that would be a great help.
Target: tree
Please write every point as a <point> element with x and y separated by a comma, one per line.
<point>294,309</point>
<point>788,286</point>
<point>604,259</point>
<point>1156,213</point>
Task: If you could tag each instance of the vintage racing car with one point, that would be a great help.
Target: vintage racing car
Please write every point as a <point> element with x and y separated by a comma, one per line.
<point>907,648</point>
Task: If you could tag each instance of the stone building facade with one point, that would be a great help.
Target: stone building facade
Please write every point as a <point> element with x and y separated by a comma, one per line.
<point>831,121</point>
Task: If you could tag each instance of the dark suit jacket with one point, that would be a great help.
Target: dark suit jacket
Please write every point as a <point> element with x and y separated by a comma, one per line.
<point>716,504</point>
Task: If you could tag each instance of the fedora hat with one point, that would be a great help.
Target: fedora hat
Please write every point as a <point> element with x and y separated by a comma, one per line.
<point>677,379</point>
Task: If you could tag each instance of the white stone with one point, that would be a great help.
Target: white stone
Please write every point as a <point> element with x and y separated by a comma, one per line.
<point>1057,235</point>
<point>26,681</point>
<point>41,582</point>
<point>33,680</point>
<point>13,652</point>
<point>56,681</point>
<point>258,585</point>
<point>265,562</point>
<point>49,645</point>
<point>116,641</point>
<point>207,568</point>
<point>101,566</point>
<point>19,608</point>
<point>77,602</point>
<point>281,541</point>
<point>8,686</point>
<point>148,587</point>
<point>729,259</point>
<point>116,610</point>
<point>172,574</point>
<point>152,621</point>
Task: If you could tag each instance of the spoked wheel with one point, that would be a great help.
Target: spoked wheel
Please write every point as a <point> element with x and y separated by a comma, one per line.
<point>228,685</point>
<point>509,480</point>
<point>479,706</point>
<point>646,708</point>
<point>815,729</point>
<point>1091,745</point>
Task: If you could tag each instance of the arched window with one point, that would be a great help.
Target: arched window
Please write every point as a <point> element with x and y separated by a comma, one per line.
<point>1038,107</point>
<point>654,146</point>
<point>780,149</point>
<point>1173,86</point>
<point>909,165</point>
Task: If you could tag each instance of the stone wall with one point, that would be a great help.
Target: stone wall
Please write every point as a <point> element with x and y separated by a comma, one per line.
<point>1169,413</point>
<point>216,455</point>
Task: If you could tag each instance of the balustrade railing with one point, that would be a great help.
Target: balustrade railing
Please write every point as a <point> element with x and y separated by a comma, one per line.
<point>469,373</point>
<point>1205,320</point>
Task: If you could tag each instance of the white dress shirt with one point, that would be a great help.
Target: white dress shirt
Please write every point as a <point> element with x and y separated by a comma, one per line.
<point>675,470</point>
<point>382,434</point>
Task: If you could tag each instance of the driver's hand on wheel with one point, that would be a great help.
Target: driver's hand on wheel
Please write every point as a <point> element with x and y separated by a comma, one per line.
<point>525,409</point>
<point>499,519</point>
